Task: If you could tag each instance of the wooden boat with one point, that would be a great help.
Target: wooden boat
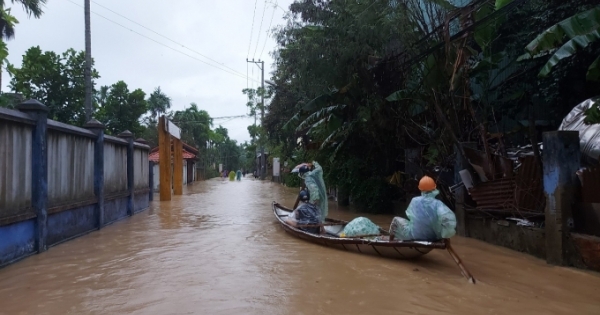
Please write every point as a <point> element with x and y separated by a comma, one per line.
<point>367,244</point>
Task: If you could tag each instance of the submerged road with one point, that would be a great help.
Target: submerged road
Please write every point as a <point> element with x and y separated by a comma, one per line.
<point>218,250</point>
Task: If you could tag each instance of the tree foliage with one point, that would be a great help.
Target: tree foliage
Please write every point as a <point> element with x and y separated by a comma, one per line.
<point>122,109</point>
<point>360,82</point>
<point>54,79</point>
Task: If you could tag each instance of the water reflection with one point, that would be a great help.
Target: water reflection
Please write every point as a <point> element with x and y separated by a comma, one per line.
<point>218,250</point>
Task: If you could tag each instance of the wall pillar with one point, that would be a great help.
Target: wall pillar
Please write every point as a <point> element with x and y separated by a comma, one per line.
<point>561,158</point>
<point>39,169</point>
<point>177,167</point>
<point>151,181</point>
<point>461,192</point>
<point>127,135</point>
<point>98,128</point>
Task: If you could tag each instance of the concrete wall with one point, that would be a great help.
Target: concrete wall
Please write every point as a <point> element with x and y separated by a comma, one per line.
<point>15,169</point>
<point>508,234</point>
<point>58,182</point>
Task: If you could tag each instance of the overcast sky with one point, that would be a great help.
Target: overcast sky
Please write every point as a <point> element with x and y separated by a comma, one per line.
<point>219,30</point>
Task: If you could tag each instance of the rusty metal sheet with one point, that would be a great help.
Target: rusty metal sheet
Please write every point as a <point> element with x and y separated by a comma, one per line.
<point>495,195</point>
<point>529,193</point>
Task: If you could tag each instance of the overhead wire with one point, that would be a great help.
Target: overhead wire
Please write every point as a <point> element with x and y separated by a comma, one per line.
<point>260,29</point>
<point>166,37</point>
<point>162,44</point>
<point>252,29</point>
<point>268,29</point>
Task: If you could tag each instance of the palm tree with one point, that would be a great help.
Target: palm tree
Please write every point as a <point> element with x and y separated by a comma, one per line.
<point>158,102</point>
<point>8,22</point>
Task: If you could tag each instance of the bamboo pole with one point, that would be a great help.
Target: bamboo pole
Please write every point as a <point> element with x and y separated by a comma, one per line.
<point>459,262</point>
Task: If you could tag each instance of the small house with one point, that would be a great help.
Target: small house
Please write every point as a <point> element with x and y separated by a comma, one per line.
<point>189,154</point>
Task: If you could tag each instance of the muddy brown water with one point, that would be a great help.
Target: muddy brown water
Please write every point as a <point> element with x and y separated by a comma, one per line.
<point>218,250</point>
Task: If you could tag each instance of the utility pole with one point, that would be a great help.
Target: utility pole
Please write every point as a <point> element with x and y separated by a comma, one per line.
<point>88,63</point>
<point>263,164</point>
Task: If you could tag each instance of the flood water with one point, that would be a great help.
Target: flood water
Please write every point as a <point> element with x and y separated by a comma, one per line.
<point>219,250</point>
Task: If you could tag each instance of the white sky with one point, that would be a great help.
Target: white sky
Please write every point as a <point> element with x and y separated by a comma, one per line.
<point>218,29</point>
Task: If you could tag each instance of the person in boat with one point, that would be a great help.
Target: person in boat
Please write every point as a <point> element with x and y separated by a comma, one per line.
<point>312,174</point>
<point>305,214</point>
<point>429,219</point>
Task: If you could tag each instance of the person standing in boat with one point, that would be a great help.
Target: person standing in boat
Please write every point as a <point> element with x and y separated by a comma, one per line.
<point>429,219</point>
<point>305,214</point>
<point>312,173</point>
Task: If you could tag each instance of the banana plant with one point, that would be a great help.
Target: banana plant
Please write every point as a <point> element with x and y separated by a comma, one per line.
<point>564,39</point>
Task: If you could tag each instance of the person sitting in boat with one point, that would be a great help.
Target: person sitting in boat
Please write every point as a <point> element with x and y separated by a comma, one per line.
<point>312,174</point>
<point>305,214</point>
<point>428,218</point>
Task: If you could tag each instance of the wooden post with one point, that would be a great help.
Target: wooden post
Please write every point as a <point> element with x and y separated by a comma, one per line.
<point>39,169</point>
<point>561,158</point>
<point>98,128</point>
<point>164,156</point>
<point>177,167</point>
<point>127,135</point>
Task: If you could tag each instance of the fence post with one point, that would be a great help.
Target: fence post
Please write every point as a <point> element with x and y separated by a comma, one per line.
<point>127,135</point>
<point>39,169</point>
<point>98,128</point>
<point>561,158</point>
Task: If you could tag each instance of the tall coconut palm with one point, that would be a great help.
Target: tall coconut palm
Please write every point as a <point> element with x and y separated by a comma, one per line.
<point>8,22</point>
<point>158,103</point>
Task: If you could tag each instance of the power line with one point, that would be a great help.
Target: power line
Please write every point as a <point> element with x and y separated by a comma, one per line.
<point>167,38</point>
<point>260,29</point>
<point>162,44</point>
<point>252,29</point>
<point>270,23</point>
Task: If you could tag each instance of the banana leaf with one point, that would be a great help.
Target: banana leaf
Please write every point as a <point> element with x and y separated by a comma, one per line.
<point>581,30</point>
<point>568,50</point>
<point>593,73</point>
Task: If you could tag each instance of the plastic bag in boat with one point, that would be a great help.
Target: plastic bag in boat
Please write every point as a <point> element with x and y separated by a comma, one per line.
<point>316,187</point>
<point>428,219</point>
<point>360,226</point>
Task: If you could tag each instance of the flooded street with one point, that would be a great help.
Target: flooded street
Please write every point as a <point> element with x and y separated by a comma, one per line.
<point>218,250</point>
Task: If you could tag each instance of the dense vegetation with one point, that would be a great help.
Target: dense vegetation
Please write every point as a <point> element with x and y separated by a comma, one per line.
<point>361,82</point>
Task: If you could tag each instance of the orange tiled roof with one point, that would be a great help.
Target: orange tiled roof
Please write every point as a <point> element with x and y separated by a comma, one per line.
<point>186,156</point>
